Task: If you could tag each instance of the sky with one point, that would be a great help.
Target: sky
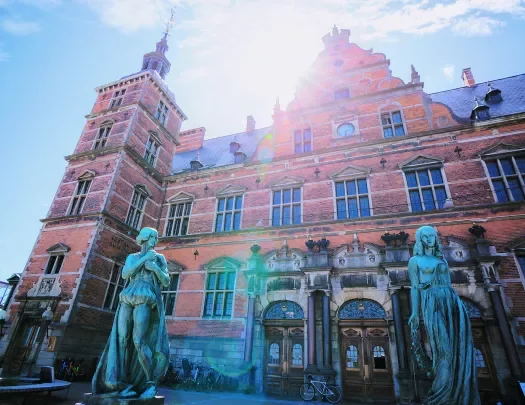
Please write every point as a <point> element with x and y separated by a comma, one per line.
<point>230,59</point>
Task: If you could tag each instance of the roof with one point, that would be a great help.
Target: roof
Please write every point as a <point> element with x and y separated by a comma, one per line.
<point>461,100</point>
<point>216,151</point>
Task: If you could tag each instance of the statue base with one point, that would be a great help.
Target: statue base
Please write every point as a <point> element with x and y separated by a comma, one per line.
<point>90,399</point>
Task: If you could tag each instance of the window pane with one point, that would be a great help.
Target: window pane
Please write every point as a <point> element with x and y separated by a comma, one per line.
<point>520,161</point>
<point>296,195</point>
<point>365,206</point>
<point>276,197</point>
<point>231,281</point>
<point>184,228</point>
<point>286,196</point>
<point>212,279</point>
<point>187,209</point>
<point>170,304</point>
<point>180,210</point>
<point>441,196</point>
<point>307,135</point>
<point>238,203</point>
<point>428,199</point>
<point>286,215</point>
<point>352,208</point>
<point>411,179</point>
<point>208,306</point>
<point>176,231</point>
<point>385,119</point>
<point>352,357</point>
<point>174,280</point>
<point>297,355</point>
<point>415,201</point>
<point>50,264</point>
<point>480,360</point>
<point>218,223</point>
<point>222,281</point>
<point>298,148</point>
<point>296,214</point>
<point>228,222</point>
<point>515,189</point>
<point>276,216</point>
<point>499,188</point>
<point>229,204</point>
<point>508,167</point>
<point>229,304</point>
<point>220,205</point>
<point>493,169</point>
<point>388,132</point>
<point>169,228</point>
<point>361,186</point>
<point>273,354</point>
<point>237,221</point>
<point>436,176</point>
<point>116,298</point>
<point>341,209</point>
<point>400,130</point>
<point>396,117</point>
<point>339,189</point>
<point>424,180</point>
<point>379,358</point>
<point>219,300</point>
<point>109,296</point>
<point>298,136</point>
<point>307,147</point>
<point>350,187</point>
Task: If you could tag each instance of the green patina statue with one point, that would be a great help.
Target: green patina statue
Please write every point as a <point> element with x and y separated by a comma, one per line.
<point>137,353</point>
<point>447,325</point>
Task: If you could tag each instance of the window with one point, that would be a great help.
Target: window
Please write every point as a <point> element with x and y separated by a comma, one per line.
<point>379,358</point>
<point>178,219</point>
<point>392,123</point>
<point>480,359</point>
<point>219,294</point>
<point>286,207</point>
<point>426,189</point>
<point>297,355</point>
<point>102,137</point>
<point>169,294</point>
<point>152,148</point>
<point>239,157</point>
<point>506,175</point>
<point>352,357</point>
<point>229,211</point>
<point>345,130</point>
<point>54,264</point>
<point>273,355</point>
<point>162,113</point>
<point>115,287</point>
<point>117,98</point>
<point>136,209</point>
<point>351,199</point>
<point>79,198</point>
<point>303,141</point>
<point>341,94</point>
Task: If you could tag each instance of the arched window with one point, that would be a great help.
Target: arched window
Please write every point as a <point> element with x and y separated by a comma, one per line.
<point>379,358</point>
<point>297,355</point>
<point>273,354</point>
<point>362,309</point>
<point>481,365</point>
<point>352,357</point>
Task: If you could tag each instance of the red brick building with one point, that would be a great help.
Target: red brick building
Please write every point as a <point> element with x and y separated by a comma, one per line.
<point>288,245</point>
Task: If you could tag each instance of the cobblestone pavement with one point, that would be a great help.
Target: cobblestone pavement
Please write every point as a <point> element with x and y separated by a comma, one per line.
<point>172,397</point>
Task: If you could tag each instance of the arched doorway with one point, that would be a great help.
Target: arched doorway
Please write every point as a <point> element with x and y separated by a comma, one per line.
<point>366,366</point>
<point>284,358</point>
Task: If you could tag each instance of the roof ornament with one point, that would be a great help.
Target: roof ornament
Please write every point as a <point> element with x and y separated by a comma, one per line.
<point>195,163</point>
<point>415,75</point>
<point>169,24</point>
<point>335,30</point>
<point>480,111</point>
<point>493,95</point>
<point>277,106</point>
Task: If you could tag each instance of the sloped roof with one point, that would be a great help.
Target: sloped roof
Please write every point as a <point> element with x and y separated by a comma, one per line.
<point>461,100</point>
<point>216,151</point>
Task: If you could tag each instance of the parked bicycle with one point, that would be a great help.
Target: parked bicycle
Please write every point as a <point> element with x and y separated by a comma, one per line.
<point>195,379</point>
<point>214,380</point>
<point>70,370</point>
<point>332,393</point>
<point>172,377</point>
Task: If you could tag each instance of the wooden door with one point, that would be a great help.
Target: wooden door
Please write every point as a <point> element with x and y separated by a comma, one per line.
<point>25,346</point>
<point>487,381</point>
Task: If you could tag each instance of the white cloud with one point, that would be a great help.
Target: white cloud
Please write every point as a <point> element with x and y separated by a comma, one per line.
<point>476,26</point>
<point>449,71</point>
<point>18,27</point>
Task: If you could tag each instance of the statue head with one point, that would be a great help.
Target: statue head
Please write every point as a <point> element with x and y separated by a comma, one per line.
<point>149,236</point>
<point>427,237</point>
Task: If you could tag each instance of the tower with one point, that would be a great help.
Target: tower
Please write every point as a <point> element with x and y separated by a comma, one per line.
<point>112,186</point>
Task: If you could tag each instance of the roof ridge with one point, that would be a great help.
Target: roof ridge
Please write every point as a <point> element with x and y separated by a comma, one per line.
<point>467,87</point>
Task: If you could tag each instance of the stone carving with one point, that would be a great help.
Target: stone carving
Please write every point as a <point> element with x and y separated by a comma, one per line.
<point>137,352</point>
<point>362,309</point>
<point>358,280</point>
<point>354,257</point>
<point>283,283</point>
<point>284,310</point>
<point>285,259</point>
<point>472,310</point>
<point>446,322</point>
<point>46,285</point>
<point>457,250</point>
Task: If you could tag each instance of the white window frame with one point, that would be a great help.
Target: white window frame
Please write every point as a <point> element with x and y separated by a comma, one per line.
<point>302,130</point>
<point>148,154</point>
<point>102,136</point>
<point>119,282</point>
<point>392,125</point>
<point>132,210</point>
<point>55,267</point>
<point>117,98</point>
<point>503,176</point>
<point>225,211</point>
<point>162,113</point>
<point>291,204</point>
<point>419,188</point>
<point>80,195</point>
<point>215,291</point>
<point>368,194</point>
<point>166,293</point>
<point>173,205</point>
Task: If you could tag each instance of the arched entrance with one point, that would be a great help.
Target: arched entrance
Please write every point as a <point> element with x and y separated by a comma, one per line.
<point>366,366</point>
<point>284,348</point>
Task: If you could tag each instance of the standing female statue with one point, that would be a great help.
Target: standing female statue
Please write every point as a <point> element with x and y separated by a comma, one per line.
<point>137,353</point>
<point>446,323</point>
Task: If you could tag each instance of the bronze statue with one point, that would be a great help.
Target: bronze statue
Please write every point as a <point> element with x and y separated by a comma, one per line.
<point>137,353</point>
<point>447,325</point>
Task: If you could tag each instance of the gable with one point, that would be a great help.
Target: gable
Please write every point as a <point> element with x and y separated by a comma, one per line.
<point>421,161</point>
<point>288,181</point>
<point>142,189</point>
<point>219,263</point>
<point>232,189</point>
<point>350,172</point>
<point>174,267</point>
<point>181,196</point>
<point>87,175</point>
<point>58,248</point>
<point>501,149</point>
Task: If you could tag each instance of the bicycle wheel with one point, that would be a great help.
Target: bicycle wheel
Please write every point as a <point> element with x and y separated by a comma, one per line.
<point>220,383</point>
<point>199,384</point>
<point>208,383</point>
<point>307,392</point>
<point>187,384</point>
<point>335,395</point>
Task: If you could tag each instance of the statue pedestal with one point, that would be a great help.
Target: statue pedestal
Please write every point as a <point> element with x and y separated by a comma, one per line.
<point>90,399</point>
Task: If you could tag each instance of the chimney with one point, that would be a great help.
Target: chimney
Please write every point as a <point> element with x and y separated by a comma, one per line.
<point>191,139</point>
<point>250,124</point>
<point>468,78</point>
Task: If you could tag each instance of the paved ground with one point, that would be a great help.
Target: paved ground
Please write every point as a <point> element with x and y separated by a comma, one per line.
<point>172,397</point>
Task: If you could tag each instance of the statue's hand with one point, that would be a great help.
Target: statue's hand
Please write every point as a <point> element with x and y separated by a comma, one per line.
<point>151,265</point>
<point>150,255</point>
<point>413,321</point>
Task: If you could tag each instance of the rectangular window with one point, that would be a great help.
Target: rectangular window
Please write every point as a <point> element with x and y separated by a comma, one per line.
<point>102,137</point>
<point>352,199</point>
<point>506,175</point>
<point>169,294</point>
<point>162,113</point>
<point>426,189</point>
<point>54,264</point>
<point>136,209</point>
<point>79,198</point>
<point>303,140</point>
<point>392,123</point>
<point>286,207</point>
<point>229,211</point>
<point>117,98</point>
<point>115,287</point>
<point>152,148</point>
<point>219,294</point>
<point>178,219</point>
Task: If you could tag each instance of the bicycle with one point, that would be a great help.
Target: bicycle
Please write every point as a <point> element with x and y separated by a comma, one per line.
<point>213,379</point>
<point>195,378</point>
<point>332,393</point>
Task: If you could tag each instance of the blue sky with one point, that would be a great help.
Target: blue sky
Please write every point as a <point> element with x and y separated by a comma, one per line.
<point>230,59</point>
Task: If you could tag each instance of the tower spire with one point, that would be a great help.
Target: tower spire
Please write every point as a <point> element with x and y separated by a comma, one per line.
<point>157,60</point>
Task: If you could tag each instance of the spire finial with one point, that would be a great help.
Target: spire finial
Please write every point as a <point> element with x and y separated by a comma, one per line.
<point>170,23</point>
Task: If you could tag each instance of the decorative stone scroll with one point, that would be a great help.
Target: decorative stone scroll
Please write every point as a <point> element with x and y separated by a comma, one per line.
<point>285,259</point>
<point>353,256</point>
<point>284,310</point>
<point>362,309</point>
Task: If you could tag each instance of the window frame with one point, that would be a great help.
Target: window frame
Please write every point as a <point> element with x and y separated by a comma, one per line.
<point>432,186</point>
<point>164,292</point>
<point>147,151</point>
<point>503,176</point>
<point>357,196</point>
<point>140,193</point>
<point>80,194</point>
<point>162,113</point>
<point>302,143</point>
<point>102,136</point>
<point>233,211</point>
<point>392,124</point>
<point>176,203</point>
<point>215,291</point>
<point>54,269</point>
<point>116,292</point>
<point>118,97</point>
<point>289,187</point>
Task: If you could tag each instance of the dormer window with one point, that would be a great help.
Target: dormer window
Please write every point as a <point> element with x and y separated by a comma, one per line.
<point>392,123</point>
<point>239,157</point>
<point>493,95</point>
<point>117,98</point>
<point>234,146</point>
<point>480,112</point>
<point>341,94</point>
<point>196,163</point>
